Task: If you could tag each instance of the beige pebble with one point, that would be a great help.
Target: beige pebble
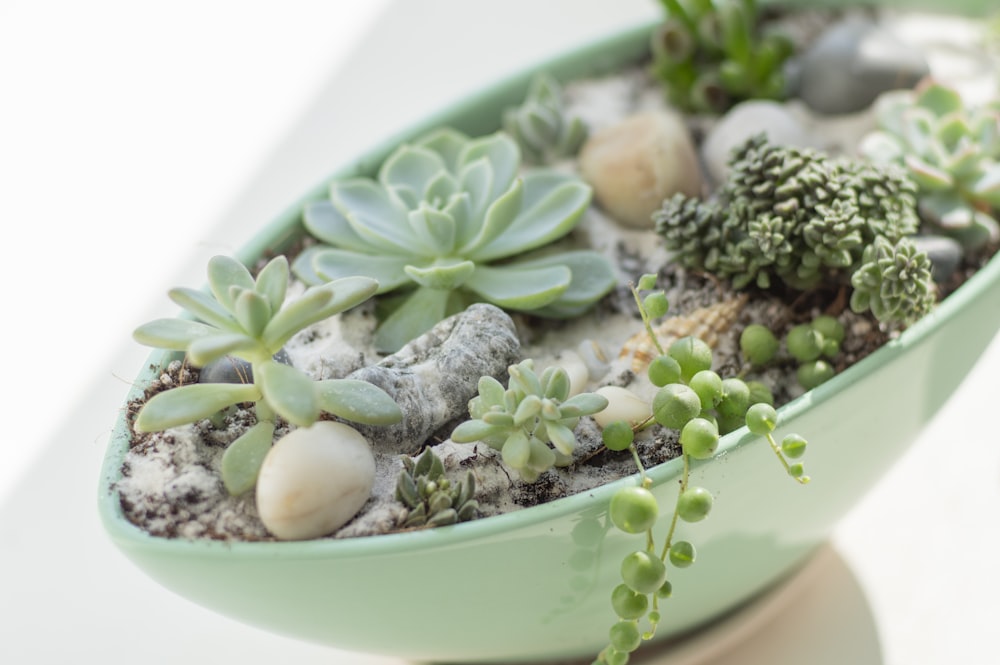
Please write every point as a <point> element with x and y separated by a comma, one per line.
<point>623,404</point>
<point>634,165</point>
<point>313,480</point>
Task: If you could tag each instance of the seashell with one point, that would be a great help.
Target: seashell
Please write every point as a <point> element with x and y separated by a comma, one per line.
<point>576,369</point>
<point>706,323</point>
<point>623,404</point>
<point>594,357</point>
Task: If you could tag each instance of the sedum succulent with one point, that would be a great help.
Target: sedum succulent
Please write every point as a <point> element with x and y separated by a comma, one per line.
<point>797,216</point>
<point>950,150</point>
<point>543,130</point>
<point>523,419</point>
<point>432,499</point>
<point>894,282</point>
<point>249,319</point>
<point>448,222</point>
<point>711,54</point>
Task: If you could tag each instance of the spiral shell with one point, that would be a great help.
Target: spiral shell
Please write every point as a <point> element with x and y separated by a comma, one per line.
<point>706,323</point>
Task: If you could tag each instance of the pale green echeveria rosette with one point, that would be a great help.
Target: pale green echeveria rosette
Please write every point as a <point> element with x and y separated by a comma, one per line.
<point>249,319</point>
<point>951,151</point>
<point>449,221</point>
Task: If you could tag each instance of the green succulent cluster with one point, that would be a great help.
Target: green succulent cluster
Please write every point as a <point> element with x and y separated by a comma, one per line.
<point>950,150</point>
<point>894,282</point>
<point>431,499</point>
<point>448,223</point>
<point>698,403</point>
<point>541,126</point>
<point>711,54</point>
<point>248,318</point>
<point>522,420</point>
<point>811,345</point>
<point>799,216</point>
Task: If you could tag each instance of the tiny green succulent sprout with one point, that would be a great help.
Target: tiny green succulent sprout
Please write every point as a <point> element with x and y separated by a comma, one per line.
<point>894,282</point>
<point>432,499</point>
<point>952,152</point>
<point>249,319</point>
<point>530,422</point>
<point>449,221</point>
<point>543,129</point>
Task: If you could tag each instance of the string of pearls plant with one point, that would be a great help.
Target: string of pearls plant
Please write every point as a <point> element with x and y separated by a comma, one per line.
<point>698,403</point>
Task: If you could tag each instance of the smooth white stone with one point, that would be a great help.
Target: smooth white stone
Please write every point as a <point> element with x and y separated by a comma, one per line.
<point>623,404</point>
<point>313,480</point>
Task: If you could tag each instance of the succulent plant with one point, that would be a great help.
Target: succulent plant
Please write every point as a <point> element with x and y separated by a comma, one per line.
<point>449,221</point>
<point>249,319</point>
<point>711,54</point>
<point>950,150</point>
<point>432,499</point>
<point>523,419</point>
<point>795,215</point>
<point>894,282</point>
<point>541,126</point>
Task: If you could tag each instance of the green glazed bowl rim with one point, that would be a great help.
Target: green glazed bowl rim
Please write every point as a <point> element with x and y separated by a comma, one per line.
<point>281,232</point>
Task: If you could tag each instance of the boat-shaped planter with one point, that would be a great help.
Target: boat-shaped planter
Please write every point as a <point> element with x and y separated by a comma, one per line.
<point>534,584</point>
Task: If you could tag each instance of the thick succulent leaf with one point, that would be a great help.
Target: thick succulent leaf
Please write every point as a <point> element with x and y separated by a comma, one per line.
<point>593,275</point>
<point>204,350</point>
<point>448,143</point>
<point>204,307</point>
<point>418,314</point>
<point>890,108</point>
<point>504,157</point>
<point>516,450</point>
<point>552,205</point>
<point>253,311</point>
<point>987,188</point>
<point>272,282</point>
<point>583,404</point>
<point>188,404</point>
<point>375,216</point>
<point>474,430</point>
<point>243,458</point>
<point>225,272</point>
<point>951,129</point>
<point>561,437</point>
<point>459,208</point>
<point>928,176</point>
<point>358,401</point>
<point>476,179</point>
<point>435,231</point>
<point>330,264</point>
<point>444,275</point>
<point>918,130</point>
<point>303,267</point>
<point>173,334</point>
<point>939,99</point>
<point>946,209</point>
<point>441,189</point>
<point>497,221</point>
<point>316,304</point>
<point>290,392</point>
<point>520,288</point>
<point>323,220</point>
<point>411,167</point>
<point>964,163</point>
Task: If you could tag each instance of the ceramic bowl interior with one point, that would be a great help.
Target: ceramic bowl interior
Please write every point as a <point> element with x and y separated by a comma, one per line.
<point>534,584</point>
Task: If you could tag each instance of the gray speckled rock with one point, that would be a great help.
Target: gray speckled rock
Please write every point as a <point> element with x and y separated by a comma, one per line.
<point>744,120</point>
<point>433,377</point>
<point>852,63</point>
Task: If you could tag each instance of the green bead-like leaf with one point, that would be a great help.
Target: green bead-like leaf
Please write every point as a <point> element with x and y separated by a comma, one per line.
<point>243,458</point>
<point>188,404</point>
<point>358,401</point>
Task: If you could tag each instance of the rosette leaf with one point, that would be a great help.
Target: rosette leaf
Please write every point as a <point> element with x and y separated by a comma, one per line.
<point>543,129</point>
<point>448,222</point>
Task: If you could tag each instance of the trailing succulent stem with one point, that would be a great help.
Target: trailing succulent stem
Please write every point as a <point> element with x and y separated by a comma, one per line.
<point>951,151</point>
<point>431,499</point>
<point>541,126</point>
<point>249,319</point>
<point>711,54</point>
<point>530,422</point>
<point>801,217</point>
<point>450,221</point>
<point>698,403</point>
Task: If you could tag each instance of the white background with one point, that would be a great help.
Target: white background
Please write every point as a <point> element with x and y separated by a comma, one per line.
<point>138,140</point>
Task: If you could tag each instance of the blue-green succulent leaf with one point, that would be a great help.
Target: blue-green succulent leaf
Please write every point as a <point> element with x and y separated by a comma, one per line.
<point>272,282</point>
<point>503,156</point>
<point>418,314</point>
<point>499,217</point>
<point>474,430</point>
<point>324,221</point>
<point>303,265</point>
<point>987,187</point>
<point>411,167</point>
<point>191,403</point>
<point>225,272</point>
<point>316,304</point>
<point>928,176</point>
<point>519,288</point>
<point>204,307</point>
<point>358,401</point>
<point>332,263</point>
<point>253,311</point>
<point>445,275</point>
<point>243,458</point>
<point>448,143</point>
<point>593,275</point>
<point>290,392</point>
<point>435,230</point>
<point>375,216</point>
<point>939,99</point>
<point>476,180</point>
<point>204,350</point>
<point>173,334</point>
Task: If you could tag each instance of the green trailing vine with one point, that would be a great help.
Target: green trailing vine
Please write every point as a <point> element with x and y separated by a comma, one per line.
<point>811,345</point>
<point>699,404</point>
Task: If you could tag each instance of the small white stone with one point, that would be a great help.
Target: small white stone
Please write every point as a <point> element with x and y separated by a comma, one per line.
<point>313,480</point>
<point>636,164</point>
<point>624,405</point>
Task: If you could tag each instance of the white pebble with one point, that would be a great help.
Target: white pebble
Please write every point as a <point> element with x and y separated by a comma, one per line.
<point>624,405</point>
<point>313,480</point>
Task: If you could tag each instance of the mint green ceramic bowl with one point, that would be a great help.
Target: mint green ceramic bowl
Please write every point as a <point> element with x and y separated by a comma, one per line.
<point>535,584</point>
